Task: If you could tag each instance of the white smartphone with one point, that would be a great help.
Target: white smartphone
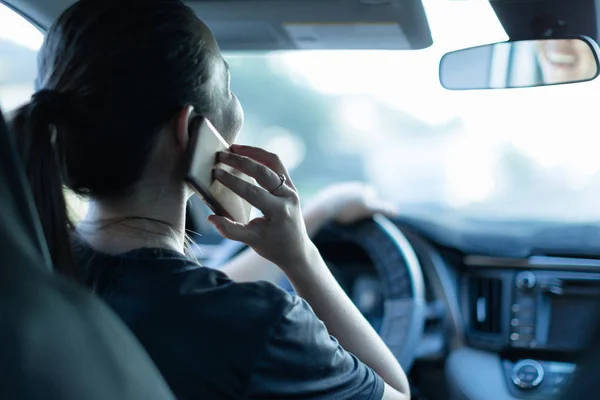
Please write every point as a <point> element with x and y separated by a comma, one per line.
<point>205,144</point>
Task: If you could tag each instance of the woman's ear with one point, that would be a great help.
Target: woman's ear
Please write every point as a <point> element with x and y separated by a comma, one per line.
<point>182,126</point>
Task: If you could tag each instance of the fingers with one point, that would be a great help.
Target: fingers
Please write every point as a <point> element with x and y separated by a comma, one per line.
<point>253,194</point>
<point>265,176</point>
<point>233,230</point>
<point>264,157</point>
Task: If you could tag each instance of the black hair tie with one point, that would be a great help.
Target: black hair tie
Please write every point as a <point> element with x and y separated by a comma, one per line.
<point>55,103</point>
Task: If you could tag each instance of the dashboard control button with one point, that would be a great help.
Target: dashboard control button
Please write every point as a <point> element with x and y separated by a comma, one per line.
<point>525,280</point>
<point>527,374</point>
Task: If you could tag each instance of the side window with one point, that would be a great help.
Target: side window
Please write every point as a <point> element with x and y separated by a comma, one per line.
<point>19,44</point>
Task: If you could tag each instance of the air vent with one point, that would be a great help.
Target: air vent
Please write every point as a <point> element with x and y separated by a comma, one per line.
<point>486,304</point>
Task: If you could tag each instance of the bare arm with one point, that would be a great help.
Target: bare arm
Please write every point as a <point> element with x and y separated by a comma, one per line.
<point>315,283</point>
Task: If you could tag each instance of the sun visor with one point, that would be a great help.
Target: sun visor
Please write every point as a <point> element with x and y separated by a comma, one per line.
<point>316,25</point>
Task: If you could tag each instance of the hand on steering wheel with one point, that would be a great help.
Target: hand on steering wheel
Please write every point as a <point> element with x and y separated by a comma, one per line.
<point>348,202</point>
<point>280,235</point>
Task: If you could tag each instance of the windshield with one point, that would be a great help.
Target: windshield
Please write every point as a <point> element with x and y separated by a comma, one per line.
<point>382,117</point>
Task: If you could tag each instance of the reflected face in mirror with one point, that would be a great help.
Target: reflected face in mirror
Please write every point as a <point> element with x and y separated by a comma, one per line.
<point>565,60</point>
<point>520,64</point>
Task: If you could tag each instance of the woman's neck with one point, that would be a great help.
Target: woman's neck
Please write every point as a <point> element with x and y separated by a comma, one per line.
<point>155,219</point>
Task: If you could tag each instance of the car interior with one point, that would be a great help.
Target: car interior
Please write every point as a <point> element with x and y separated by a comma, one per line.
<point>471,116</point>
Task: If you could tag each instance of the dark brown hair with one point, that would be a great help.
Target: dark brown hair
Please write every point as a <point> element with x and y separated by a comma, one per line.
<point>111,74</point>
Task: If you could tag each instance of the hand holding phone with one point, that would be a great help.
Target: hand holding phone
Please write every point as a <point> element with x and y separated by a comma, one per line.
<point>205,143</point>
<point>280,235</point>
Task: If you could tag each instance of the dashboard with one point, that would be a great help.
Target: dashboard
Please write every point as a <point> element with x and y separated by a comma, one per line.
<point>500,326</point>
<point>536,314</point>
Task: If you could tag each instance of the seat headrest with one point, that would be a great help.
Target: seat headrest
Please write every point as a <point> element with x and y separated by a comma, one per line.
<point>20,230</point>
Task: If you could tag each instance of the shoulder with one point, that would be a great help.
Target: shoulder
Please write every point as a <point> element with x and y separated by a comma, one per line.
<point>181,291</point>
<point>301,360</point>
<point>284,347</point>
<point>196,283</point>
<point>253,308</point>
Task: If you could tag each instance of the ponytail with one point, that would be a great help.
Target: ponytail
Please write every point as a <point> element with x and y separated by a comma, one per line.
<point>39,127</point>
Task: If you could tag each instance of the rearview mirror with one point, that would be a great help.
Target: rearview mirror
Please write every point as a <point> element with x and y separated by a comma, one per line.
<point>518,64</point>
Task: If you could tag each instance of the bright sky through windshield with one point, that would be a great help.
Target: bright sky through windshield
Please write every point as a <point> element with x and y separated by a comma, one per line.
<point>408,81</point>
<point>18,30</point>
<point>382,71</point>
<point>554,126</point>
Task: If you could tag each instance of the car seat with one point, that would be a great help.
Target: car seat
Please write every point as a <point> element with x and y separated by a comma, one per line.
<point>57,340</point>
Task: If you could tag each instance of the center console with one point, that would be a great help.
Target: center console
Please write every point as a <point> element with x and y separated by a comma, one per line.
<point>553,310</point>
<point>533,379</point>
<point>534,320</point>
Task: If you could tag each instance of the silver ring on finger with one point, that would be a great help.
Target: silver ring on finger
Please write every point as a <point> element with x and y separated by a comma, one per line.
<point>282,180</point>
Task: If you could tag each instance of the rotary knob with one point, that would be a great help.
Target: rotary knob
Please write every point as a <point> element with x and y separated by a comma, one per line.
<point>525,280</point>
<point>527,374</point>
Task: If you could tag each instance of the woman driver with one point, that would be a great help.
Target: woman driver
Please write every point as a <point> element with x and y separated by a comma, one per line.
<point>120,81</point>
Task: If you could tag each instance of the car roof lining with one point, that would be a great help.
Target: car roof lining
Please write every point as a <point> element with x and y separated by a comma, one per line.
<point>258,24</point>
<point>534,19</point>
<point>272,24</point>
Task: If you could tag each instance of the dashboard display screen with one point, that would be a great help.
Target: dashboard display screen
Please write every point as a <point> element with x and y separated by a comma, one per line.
<point>572,322</point>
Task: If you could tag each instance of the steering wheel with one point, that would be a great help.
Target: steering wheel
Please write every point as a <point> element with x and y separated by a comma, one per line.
<point>397,267</point>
